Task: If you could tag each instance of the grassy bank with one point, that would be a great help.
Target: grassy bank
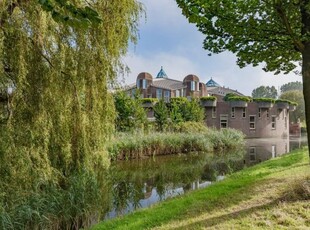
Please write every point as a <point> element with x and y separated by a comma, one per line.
<point>273,194</point>
<point>129,146</point>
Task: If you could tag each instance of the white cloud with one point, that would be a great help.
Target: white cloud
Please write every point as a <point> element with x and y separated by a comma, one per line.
<point>176,67</point>
<point>168,40</point>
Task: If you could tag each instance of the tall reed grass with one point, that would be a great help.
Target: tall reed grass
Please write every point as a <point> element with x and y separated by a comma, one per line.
<point>49,206</point>
<point>131,146</point>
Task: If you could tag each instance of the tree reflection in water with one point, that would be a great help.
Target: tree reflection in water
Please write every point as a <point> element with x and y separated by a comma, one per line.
<point>140,183</point>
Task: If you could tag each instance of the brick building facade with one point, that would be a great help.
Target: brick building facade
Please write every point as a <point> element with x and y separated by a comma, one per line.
<point>254,119</point>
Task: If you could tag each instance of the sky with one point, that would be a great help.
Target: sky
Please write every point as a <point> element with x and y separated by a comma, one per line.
<point>167,39</point>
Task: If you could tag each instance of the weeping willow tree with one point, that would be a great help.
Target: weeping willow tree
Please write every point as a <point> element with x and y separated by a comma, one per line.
<point>59,57</point>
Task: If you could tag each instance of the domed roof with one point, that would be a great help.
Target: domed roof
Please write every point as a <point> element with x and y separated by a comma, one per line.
<point>162,74</point>
<point>212,83</point>
<point>145,75</point>
<point>191,77</point>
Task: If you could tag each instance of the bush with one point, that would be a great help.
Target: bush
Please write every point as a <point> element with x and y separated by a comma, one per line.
<point>148,100</point>
<point>179,100</point>
<point>238,98</point>
<point>235,97</point>
<point>286,101</point>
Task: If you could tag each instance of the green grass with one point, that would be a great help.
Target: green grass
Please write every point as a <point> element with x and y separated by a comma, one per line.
<point>264,196</point>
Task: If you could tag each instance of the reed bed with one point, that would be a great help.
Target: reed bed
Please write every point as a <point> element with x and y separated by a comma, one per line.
<point>133,146</point>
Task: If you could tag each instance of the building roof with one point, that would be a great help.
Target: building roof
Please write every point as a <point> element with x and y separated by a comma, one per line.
<point>145,75</point>
<point>162,74</point>
<point>212,83</point>
<point>222,91</point>
<point>166,83</point>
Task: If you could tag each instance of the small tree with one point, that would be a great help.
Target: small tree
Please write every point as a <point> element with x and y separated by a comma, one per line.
<point>192,111</point>
<point>161,114</point>
<point>175,112</point>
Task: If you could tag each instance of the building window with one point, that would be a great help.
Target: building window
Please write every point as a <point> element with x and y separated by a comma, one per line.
<point>193,86</point>
<point>259,112</point>
<point>267,112</point>
<point>252,122</point>
<point>244,112</point>
<point>273,151</point>
<point>252,154</point>
<point>177,93</point>
<point>273,122</point>
<point>144,84</point>
<point>213,112</point>
<point>279,113</point>
<point>233,112</point>
<point>138,83</point>
<point>224,121</point>
<point>159,93</point>
<point>167,96</point>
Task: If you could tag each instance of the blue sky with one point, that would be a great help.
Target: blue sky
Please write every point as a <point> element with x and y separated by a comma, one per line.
<point>168,40</point>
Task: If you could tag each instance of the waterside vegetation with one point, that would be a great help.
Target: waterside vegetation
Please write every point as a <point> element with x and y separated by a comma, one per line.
<point>273,194</point>
<point>130,146</point>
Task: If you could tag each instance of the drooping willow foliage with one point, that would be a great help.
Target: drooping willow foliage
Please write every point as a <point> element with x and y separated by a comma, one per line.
<point>60,113</point>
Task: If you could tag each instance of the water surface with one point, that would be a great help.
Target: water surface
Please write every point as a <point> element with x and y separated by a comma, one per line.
<point>141,183</point>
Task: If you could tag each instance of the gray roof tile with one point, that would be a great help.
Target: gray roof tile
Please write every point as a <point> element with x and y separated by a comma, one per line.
<point>168,84</point>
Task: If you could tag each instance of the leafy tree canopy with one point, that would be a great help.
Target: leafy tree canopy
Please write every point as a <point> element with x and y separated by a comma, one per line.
<point>265,91</point>
<point>273,32</point>
<point>61,114</point>
<point>257,31</point>
<point>297,85</point>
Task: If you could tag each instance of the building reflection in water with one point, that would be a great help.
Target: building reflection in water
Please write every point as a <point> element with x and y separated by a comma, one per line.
<point>259,150</point>
<point>262,149</point>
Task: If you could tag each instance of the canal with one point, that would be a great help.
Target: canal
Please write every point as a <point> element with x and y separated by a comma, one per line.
<point>141,183</point>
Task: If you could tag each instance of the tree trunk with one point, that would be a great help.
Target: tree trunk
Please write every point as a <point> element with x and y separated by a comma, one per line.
<point>306,87</point>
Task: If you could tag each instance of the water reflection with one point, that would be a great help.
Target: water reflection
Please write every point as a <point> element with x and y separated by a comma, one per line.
<point>262,149</point>
<point>141,183</point>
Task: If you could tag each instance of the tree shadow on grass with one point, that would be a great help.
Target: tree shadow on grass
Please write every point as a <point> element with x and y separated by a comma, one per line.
<point>299,191</point>
<point>213,221</point>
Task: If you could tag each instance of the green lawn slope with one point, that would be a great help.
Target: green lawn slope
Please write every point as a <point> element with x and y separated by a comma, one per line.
<point>272,195</point>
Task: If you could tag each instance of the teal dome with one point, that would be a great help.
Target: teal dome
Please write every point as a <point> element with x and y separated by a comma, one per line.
<point>162,74</point>
<point>212,83</point>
